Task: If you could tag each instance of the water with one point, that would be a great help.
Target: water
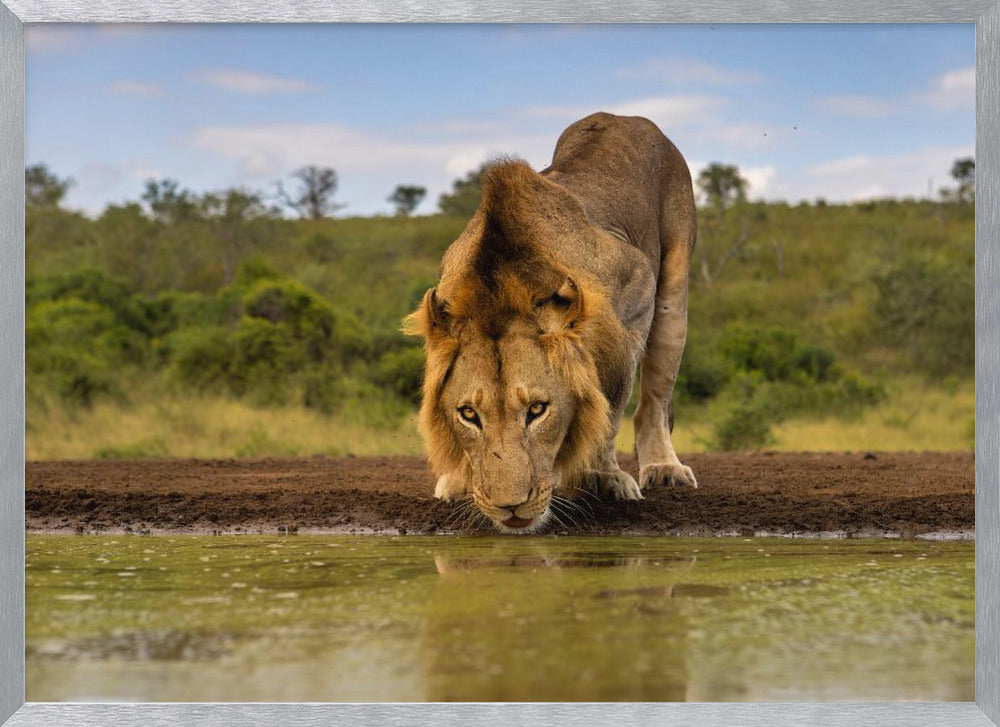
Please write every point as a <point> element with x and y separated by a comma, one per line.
<point>369,618</point>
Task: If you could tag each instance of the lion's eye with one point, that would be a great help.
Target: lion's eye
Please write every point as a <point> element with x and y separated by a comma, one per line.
<point>536,410</point>
<point>469,415</point>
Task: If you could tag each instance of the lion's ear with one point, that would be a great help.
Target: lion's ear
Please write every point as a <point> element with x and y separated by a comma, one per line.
<point>563,309</point>
<point>431,318</point>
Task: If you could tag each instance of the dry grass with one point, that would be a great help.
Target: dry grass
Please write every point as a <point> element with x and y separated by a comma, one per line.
<point>210,428</point>
<point>915,417</point>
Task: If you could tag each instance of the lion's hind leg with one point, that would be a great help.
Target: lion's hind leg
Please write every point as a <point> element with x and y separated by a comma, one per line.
<point>658,462</point>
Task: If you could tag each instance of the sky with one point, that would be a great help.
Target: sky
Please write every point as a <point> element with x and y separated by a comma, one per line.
<point>842,112</point>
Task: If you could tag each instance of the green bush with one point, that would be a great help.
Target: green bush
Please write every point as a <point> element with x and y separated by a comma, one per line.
<point>402,372</point>
<point>265,354</point>
<point>128,330</point>
<point>703,373</point>
<point>72,347</point>
<point>927,309</point>
<point>776,353</point>
<point>320,332</point>
<point>202,356</point>
<point>745,425</point>
<point>323,390</point>
<point>173,309</point>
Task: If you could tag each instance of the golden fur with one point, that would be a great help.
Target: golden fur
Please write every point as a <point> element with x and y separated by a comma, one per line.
<point>574,339</point>
<point>537,306</point>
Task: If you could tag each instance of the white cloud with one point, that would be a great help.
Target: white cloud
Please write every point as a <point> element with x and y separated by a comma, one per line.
<point>97,182</point>
<point>866,177</point>
<point>56,37</point>
<point>689,70</point>
<point>248,82</point>
<point>369,165</point>
<point>43,38</point>
<point>759,178</point>
<point>739,134</point>
<point>952,90</point>
<point>125,30</point>
<point>99,176</point>
<point>434,155</point>
<point>135,88</point>
<point>665,111</point>
<point>846,165</point>
<point>858,105</point>
<point>461,127</point>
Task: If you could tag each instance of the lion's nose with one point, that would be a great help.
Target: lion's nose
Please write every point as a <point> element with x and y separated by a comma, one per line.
<point>516,505</point>
<point>512,508</point>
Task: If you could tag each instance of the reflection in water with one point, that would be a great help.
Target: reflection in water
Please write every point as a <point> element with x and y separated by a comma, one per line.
<point>316,618</point>
<point>538,637</point>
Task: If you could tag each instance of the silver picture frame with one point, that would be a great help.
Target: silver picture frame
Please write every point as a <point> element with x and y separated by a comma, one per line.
<point>986,16</point>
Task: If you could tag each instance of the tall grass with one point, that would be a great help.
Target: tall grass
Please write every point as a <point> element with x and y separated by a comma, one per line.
<point>915,416</point>
<point>209,427</point>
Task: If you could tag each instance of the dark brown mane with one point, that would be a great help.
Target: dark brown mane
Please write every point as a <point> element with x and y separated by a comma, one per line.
<point>511,266</point>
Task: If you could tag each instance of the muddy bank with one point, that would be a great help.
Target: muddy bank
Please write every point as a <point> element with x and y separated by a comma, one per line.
<point>850,493</point>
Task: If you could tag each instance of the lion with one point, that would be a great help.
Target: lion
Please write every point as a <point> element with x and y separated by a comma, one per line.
<point>563,282</point>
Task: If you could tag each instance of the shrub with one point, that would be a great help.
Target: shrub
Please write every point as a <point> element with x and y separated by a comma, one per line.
<point>776,353</point>
<point>927,308</point>
<point>129,327</point>
<point>264,355</point>
<point>745,425</point>
<point>320,332</point>
<point>703,373</point>
<point>401,372</point>
<point>202,355</point>
<point>323,390</point>
<point>72,347</point>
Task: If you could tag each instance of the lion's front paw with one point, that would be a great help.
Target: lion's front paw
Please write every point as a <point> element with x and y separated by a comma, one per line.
<point>653,475</point>
<point>449,487</point>
<point>617,484</point>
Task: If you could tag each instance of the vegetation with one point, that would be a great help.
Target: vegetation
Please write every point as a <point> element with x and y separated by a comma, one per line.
<point>465,194</point>
<point>407,197</point>
<point>210,324</point>
<point>314,198</point>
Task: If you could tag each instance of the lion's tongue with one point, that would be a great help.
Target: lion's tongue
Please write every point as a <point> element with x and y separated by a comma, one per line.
<point>517,522</point>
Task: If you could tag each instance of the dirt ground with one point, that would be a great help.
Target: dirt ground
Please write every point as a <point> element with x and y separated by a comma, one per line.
<point>877,493</point>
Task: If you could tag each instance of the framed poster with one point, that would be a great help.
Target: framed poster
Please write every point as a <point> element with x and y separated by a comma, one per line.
<point>986,82</point>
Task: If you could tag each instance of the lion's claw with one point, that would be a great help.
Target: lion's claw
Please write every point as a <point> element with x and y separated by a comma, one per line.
<point>653,475</point>
<point>449,488</point>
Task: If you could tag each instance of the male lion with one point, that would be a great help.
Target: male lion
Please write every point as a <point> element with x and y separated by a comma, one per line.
<point>560,285</point>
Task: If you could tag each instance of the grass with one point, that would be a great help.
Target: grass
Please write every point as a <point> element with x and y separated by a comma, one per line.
<point>914,417</point>
<point>208,427</point>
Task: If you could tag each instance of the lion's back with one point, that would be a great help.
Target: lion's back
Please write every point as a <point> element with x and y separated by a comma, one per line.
<point>625,172</point>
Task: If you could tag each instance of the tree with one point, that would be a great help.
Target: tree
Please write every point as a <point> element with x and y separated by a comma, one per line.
<point>465,194</point>
<point>722,185</point>
<point>231,214</point>
<point>964,172</point>
<point>723,188</point>
<point>168,202</point>
<point>129,245</point>
<point>406,198</point>
<point>42,188</point>
<point>314,200</point>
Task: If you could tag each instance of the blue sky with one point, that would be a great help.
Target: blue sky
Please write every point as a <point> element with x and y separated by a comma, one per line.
<point>841,112</point>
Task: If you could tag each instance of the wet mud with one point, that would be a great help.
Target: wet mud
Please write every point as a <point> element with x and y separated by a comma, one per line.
<point>845,494</point>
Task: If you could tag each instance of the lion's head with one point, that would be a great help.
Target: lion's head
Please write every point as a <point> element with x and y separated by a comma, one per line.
<point>512,400</point>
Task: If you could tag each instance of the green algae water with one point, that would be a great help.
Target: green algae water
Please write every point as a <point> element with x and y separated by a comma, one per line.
<point>425,618</point>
